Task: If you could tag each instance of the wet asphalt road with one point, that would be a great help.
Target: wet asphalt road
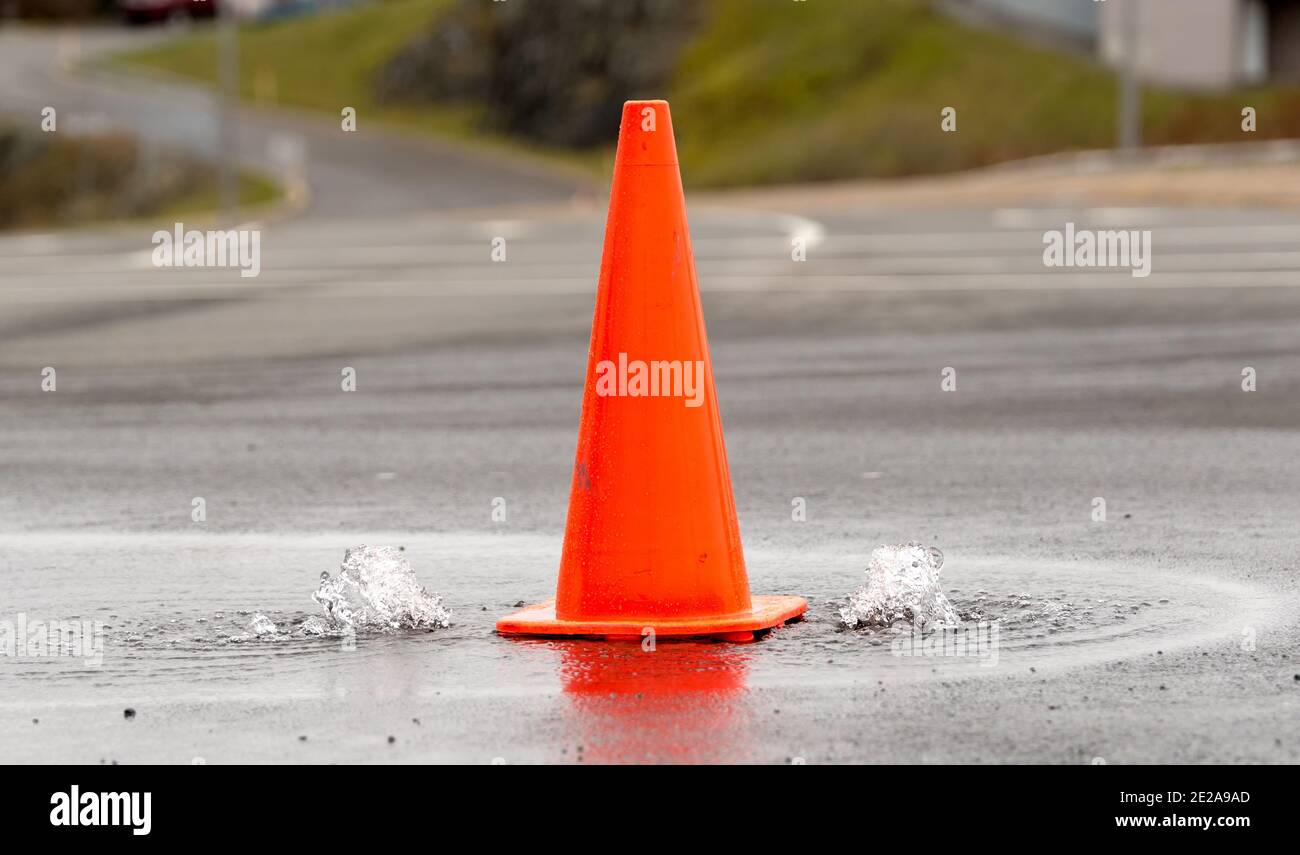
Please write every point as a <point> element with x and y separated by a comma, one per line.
<point>1177,639</point>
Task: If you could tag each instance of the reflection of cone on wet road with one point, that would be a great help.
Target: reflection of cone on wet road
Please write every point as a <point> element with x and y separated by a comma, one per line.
<point>652,540</point>
<point>685,703</point>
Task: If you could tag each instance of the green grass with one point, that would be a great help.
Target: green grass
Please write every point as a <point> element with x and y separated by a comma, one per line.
<point>254,191</point>
<point>323,61</point>
<point>773,92</point>
<point>49,181</point>
<point>827,89</point>
<point>202,201</point>
<point>776,91</point>
<point>327,62</point>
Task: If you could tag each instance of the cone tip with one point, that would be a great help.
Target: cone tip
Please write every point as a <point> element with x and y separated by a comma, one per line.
<point>645,137</point>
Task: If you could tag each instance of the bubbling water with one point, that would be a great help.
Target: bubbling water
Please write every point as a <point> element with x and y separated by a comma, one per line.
<point>376,588</point>
<point>262,625</point>
<point>902,585</point>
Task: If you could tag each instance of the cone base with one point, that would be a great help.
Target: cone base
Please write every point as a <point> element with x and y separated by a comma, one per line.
<point>765,613</point>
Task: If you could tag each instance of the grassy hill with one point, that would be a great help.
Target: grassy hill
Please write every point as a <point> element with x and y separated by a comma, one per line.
<point>776,91</point>
<point>53,180</point>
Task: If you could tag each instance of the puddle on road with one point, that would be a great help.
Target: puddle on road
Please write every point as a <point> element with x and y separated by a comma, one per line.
<point>1051,614</point>
<point>375,590</point>
<point>223,625</point>
<point>167,620</point>
<point>903,599</point>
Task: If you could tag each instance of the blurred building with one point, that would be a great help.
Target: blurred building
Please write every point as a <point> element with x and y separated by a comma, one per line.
<point>1193,43</point>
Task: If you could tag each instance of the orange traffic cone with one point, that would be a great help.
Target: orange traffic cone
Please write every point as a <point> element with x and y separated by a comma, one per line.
<point>652,540</point>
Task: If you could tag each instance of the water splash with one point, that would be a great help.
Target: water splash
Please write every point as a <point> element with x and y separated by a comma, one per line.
<point>376,588</point>
<point>902,585</point>
<point>262,625</point>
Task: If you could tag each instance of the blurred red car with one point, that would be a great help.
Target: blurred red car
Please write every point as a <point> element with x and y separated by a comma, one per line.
<point>146,11</point>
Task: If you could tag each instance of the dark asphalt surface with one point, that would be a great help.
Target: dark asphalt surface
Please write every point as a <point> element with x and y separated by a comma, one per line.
<point>1167,633</point>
